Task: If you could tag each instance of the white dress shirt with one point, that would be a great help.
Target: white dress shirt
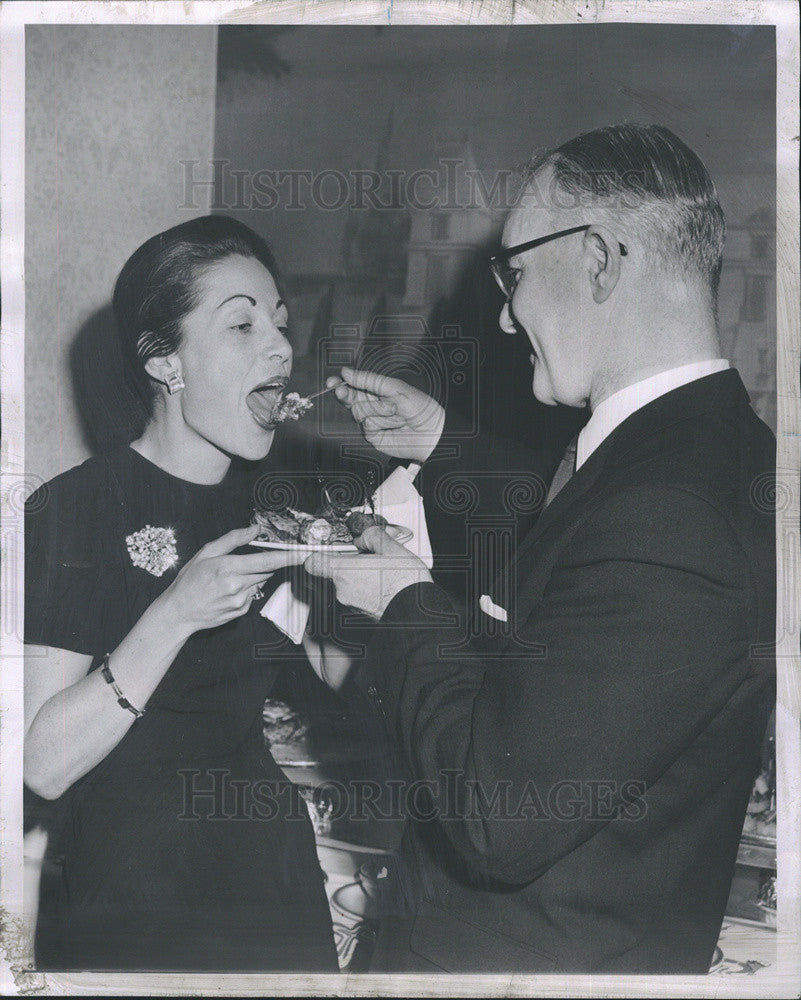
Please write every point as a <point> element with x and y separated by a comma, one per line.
<point>616,408</point>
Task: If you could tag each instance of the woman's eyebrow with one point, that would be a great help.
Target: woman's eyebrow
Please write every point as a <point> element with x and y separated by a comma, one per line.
<point>239,295</point>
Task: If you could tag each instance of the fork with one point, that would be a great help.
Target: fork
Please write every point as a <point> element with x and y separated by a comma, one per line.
<point>322,392</point>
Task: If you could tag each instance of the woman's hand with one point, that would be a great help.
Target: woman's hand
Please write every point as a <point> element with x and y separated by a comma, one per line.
<point>72,718</point>
<point>396,418</point>
<point>215,587</point>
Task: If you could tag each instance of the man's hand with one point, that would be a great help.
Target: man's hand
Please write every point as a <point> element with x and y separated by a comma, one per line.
<point>369,582</point>
<point>396,418</point>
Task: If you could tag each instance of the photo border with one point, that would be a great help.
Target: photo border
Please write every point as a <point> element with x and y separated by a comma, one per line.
<point>16,979</point>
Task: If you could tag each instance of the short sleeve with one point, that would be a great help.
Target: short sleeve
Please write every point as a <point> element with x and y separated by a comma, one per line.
<point>63,595</point>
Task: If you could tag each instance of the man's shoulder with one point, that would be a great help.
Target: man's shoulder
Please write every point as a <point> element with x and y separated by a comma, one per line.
<point>709,442</point>
<point>698,494</point>
<point>665,508</point>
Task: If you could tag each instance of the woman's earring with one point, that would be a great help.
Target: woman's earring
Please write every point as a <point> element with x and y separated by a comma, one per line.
<point>174,382</point>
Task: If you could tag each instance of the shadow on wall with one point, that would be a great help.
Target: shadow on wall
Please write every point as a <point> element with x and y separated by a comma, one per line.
<point>110,411</point>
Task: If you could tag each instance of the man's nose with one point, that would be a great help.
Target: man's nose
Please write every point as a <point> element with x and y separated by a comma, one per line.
<point>506,323</point>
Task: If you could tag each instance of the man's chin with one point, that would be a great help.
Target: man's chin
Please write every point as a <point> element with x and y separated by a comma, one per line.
<point>542,393</point>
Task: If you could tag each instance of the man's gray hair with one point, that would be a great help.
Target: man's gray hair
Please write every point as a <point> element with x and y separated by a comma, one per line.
<point>653,185</point>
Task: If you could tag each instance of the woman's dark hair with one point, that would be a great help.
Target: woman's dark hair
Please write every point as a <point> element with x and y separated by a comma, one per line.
<point>157,287</point>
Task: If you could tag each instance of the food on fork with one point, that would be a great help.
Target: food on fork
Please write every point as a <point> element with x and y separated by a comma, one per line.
<point>290,407</point>
<point>263,399</point>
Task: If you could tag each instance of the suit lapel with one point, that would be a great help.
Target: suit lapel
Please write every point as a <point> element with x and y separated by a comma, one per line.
<point>641,431</point>
<point>578,485</point>
<point>506,584</point>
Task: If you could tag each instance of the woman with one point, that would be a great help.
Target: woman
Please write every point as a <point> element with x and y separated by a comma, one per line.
<point>185,847</point>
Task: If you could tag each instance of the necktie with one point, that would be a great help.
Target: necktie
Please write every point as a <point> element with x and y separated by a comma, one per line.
<point>565,470</point>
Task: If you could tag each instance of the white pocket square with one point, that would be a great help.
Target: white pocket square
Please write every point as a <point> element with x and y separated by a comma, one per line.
<point>489,607</point>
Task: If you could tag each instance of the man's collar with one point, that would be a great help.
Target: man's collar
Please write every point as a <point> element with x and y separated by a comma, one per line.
<point>610,413</point>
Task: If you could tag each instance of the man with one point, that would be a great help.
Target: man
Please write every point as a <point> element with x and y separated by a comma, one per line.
<point>589,767</point>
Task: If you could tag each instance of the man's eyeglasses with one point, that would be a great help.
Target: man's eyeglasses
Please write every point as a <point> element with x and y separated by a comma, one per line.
<point>508,277</point>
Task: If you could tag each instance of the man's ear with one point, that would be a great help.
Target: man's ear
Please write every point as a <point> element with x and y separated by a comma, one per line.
<point>602,250</point>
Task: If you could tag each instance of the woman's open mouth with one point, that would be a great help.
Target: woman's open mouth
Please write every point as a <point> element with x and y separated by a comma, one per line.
<point>263,400</point>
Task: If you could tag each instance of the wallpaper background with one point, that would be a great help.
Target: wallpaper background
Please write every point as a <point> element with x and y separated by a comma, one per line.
<point>111,110</point>
<point>406,99</point>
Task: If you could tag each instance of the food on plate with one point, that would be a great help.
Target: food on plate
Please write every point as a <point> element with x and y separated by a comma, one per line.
<point>319,531</point>
<point>282,725</point>
<point>328,527</point>
<point>290,407</point>
<point>767,894</point>
<point>760,819</point>
<point>284,525</point>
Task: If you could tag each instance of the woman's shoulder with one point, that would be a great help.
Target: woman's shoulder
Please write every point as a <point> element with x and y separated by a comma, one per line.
<point>77,494</point>
<point>71,560</point>
<point>78,480</point>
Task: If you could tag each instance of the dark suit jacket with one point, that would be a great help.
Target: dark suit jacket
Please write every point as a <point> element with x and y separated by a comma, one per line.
<point>588,765</point>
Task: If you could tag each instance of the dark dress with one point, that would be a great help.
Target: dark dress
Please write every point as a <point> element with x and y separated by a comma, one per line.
<point>185,848</point>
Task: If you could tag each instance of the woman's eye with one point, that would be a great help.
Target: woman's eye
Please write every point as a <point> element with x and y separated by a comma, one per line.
<point>284,330</point>
<point>243,327</point>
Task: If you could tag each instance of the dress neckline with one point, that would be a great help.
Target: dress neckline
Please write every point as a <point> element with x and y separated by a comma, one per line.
<point>157,470</point>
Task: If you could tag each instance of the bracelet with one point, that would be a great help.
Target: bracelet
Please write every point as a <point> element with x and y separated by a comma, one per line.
<point>108,677</point>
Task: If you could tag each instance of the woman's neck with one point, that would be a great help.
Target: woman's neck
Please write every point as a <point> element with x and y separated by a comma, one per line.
<point>183,454</point>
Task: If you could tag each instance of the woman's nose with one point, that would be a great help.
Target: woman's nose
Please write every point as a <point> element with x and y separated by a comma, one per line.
<point>278,347</point>
<point>506,323</point>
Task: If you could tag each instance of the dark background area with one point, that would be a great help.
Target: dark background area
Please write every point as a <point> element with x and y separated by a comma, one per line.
<point>333,101</point>
<point>400,282</point>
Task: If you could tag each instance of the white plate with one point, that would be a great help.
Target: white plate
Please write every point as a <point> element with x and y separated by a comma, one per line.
<point>395,531</point>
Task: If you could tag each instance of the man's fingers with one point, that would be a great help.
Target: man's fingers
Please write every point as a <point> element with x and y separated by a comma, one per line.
<point>373,408</point>
<point>349,397</point>
<point>327,564</point>
<point>372,382</point>
<point>380,423</point>
<point>345,394</point>
<point>320,564</point>
<point>315,566</point>
<point>353,397</point>
<point>376,540</point>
